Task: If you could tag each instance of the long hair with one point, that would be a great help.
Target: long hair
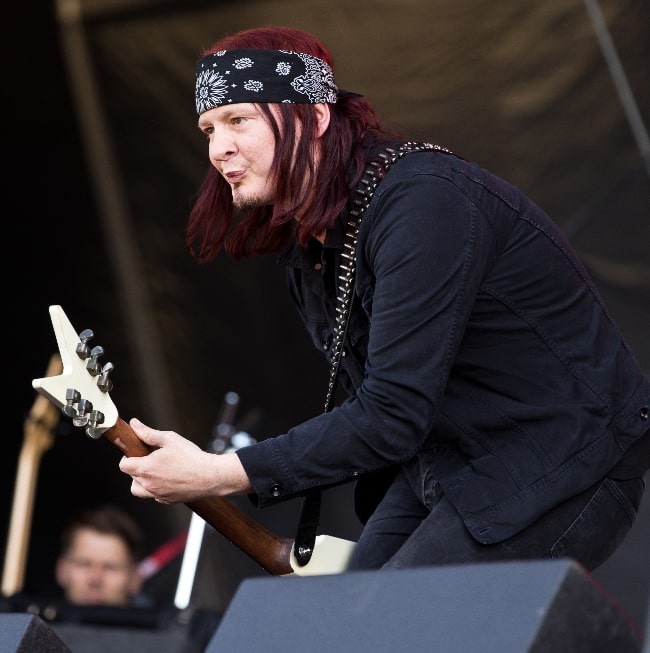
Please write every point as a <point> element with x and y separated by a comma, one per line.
<point>213,224</point>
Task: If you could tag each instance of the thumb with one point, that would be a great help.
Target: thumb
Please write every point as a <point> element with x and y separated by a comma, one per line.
<point>145,433</point>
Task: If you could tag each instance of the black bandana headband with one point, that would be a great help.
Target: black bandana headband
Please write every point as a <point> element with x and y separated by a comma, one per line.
<point>253,75</point>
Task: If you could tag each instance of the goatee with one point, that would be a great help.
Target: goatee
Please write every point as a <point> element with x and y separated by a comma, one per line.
<point>243,203</point>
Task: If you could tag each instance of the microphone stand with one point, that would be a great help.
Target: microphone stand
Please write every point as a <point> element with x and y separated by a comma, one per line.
<point>225,439</point>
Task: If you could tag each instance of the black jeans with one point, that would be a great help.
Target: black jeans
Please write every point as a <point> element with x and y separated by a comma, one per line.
<point>407,530</point>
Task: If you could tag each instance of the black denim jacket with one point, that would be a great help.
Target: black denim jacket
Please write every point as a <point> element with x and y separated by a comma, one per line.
<point>478,346</point>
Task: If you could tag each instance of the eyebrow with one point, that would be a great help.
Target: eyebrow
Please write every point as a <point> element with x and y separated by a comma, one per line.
<point>224,115</point>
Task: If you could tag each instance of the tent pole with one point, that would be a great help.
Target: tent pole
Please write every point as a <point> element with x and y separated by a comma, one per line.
<point>119,236</point>
<point>620,80</point>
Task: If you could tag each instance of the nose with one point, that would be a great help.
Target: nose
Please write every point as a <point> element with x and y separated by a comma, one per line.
<point>221,147</point>
<point>95,575</point>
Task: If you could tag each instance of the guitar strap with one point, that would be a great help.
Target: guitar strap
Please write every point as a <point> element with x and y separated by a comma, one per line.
<point>375,171</point>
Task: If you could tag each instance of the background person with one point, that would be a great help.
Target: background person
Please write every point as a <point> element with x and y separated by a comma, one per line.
<point>98,564</point>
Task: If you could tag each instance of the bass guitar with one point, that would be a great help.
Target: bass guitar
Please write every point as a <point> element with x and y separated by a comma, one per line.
<point>82,390</point>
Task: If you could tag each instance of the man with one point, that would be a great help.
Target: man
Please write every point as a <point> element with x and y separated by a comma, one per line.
<point>98,562</point>
<point>493,409</point>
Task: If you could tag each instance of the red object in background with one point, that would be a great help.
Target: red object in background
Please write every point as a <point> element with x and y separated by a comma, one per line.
<point>163,555</point>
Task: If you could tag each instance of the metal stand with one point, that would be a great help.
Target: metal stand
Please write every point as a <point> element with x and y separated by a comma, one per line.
<point>225,439</point>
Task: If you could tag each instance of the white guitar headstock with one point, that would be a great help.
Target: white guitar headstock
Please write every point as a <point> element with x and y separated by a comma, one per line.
<point>81,390</point>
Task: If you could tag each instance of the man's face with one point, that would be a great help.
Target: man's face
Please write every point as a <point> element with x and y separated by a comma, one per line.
<point>241,148</point>
<point>97,570</point>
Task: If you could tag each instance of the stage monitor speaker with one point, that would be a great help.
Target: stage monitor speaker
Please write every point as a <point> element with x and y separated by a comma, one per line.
<point>27,633</point>
<point>513,607</point>
<point>646,638</point>
<point>86,638</point>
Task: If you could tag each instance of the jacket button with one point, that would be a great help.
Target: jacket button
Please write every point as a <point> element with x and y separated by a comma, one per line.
<point>644,413</point>
<point>276,489</point>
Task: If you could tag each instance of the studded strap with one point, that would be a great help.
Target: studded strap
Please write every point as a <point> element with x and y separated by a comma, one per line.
<point>373,174</point>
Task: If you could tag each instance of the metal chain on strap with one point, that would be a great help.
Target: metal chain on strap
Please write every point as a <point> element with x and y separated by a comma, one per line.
<point>373,174</point>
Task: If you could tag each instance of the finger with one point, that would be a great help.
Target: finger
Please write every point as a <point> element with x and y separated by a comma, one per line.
<point>138,490</point>
<point>129,465</point>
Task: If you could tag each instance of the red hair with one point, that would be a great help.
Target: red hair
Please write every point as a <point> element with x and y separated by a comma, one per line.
<point>268,229</point>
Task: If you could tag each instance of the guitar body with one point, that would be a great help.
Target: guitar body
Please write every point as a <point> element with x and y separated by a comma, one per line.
<point>82,392</point>
<point>330,556</point>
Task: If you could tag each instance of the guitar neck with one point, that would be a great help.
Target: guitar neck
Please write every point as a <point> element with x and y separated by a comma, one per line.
<point>13,574</point>
<point>38,438</point>
<point>271,552</point>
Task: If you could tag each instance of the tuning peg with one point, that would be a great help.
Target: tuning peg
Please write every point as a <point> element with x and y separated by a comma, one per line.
<point>83,408</point>
<point>93,365</point>
<point>72,397</point>
<point>83,350</point>
<point>103,382</point>
<point>95,418</point>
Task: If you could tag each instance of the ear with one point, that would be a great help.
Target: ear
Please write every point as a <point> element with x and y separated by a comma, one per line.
<point>322,111</point>
<point>136,582</point>
<point>61,571</point>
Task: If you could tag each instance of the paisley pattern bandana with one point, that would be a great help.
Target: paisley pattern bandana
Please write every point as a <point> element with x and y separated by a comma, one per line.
<point>253,75</point>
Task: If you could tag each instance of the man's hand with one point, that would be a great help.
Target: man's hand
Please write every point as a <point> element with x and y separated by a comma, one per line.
<point>178,471</point>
